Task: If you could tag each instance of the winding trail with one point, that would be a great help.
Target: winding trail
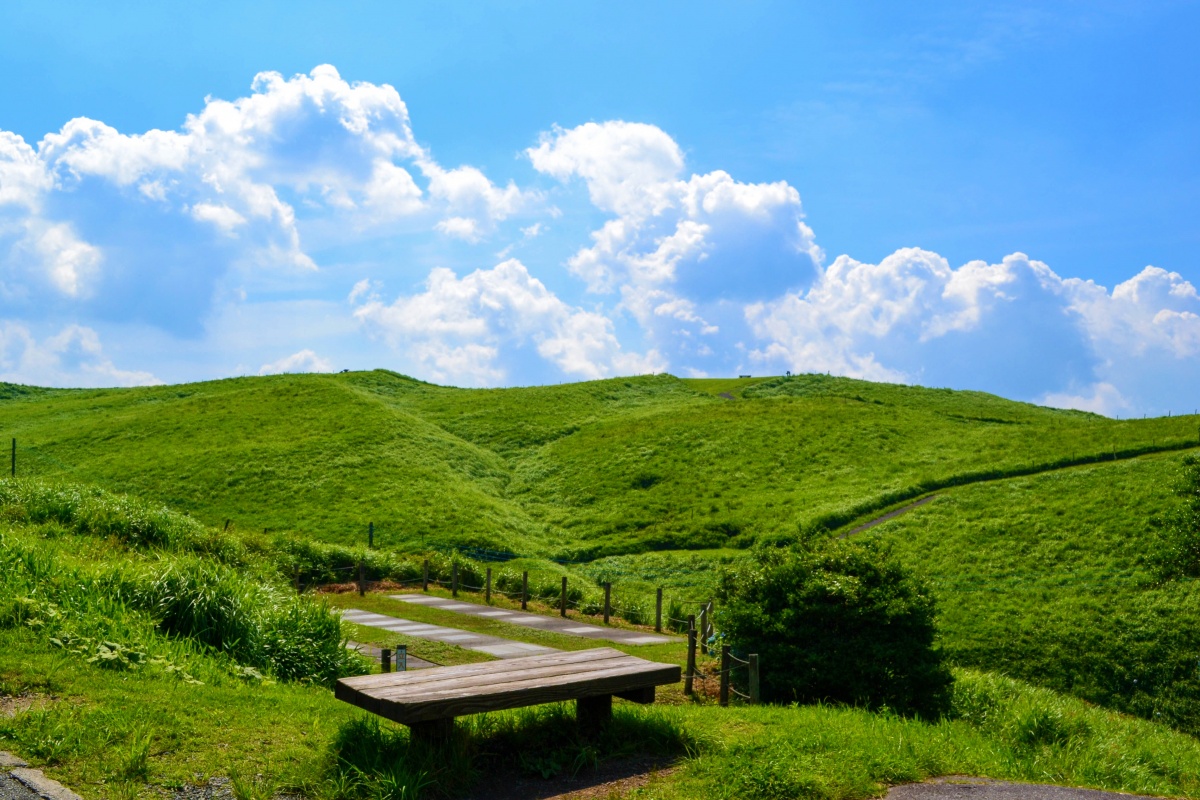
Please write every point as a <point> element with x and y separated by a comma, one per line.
<point>890,515</point>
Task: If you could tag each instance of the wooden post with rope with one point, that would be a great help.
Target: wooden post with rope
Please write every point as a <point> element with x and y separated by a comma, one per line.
<point>753,670</point>
<point>723,697</point>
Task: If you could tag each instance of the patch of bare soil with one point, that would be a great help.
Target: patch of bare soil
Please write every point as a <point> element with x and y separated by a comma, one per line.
<point>612,779</point>
<point>11,705</point>
<point>372,586</point>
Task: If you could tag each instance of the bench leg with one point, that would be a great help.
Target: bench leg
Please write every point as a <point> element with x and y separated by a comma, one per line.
<point>592,713</point>
<point>434,731</point>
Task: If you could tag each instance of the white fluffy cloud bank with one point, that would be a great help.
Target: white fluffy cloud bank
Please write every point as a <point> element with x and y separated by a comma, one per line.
<point>1016,328</point>
<point>476,329</point>
<point>149,223</point>
<point>270,206</point>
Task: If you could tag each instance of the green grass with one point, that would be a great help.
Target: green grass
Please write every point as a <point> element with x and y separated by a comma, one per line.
<point>579,470</point>
<point>1046,578</point>
<point>1039,567</point>
<point>999,728</point>
<point>170,710</point>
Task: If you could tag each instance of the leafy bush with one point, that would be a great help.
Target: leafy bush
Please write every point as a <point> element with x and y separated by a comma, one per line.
<point>1177,549</point>
<point>840,622</point>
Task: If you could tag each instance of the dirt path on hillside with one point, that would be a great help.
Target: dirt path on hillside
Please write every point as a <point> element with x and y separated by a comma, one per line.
<point>890,515</point>
<point>917,503</point>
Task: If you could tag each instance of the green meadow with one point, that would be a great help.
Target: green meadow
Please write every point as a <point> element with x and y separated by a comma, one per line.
<point>150,630</point>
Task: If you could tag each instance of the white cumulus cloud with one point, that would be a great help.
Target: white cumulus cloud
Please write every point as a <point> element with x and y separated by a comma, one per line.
<point>458,328</point>
<point>1016,328</point>
<point>256,184</point>
<point>302,361</point>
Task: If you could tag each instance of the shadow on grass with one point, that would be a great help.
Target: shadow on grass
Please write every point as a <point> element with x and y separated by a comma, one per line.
<point>375,760</point>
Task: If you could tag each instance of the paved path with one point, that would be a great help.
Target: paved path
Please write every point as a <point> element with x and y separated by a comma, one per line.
<point>18,782</point>
<point>492,645</point>
<point>957,787</point>
<point>571,627</point>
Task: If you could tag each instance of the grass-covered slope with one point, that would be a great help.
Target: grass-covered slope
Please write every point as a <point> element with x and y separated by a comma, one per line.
<point>1046,578</point>
<point>588,469</point>
<point>130,666</point>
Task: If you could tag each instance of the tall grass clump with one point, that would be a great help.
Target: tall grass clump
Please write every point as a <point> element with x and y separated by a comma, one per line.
<point>121,609</point>
<point>132,521</point>
<point>257,625</point>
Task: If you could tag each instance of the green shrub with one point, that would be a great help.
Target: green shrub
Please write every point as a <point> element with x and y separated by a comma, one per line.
<point>842,623</point>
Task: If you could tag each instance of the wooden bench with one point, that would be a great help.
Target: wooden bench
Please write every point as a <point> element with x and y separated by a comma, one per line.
<point>428,700</point>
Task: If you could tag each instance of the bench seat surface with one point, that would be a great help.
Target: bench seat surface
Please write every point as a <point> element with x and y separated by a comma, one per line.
<point>446,692</point>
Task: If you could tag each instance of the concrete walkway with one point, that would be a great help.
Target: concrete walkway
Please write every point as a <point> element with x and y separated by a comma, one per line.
<point>18,782</point>
<point>492,645</point>
<point>571,627</point>
<point>960,787</point>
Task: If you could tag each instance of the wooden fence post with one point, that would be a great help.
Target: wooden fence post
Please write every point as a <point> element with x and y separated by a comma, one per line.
<point>454,580</point>
<point>487,591</point>
<point>524,590</point>
<point>385,660</point>
<point>658,611</point>
<point>562,600</point>
<point>723,698</point>
<point>691,655</point>
<point>703,621</point>
<point>362,579</point>
<point>425,577</point>
<point>753,670</point>
<point>607,601</point>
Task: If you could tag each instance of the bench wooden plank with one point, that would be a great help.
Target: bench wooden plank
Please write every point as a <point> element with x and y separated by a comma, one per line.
<point>549,674</point>
<point>633,679</point>
<point>368,682</point>
<point>416,698</point>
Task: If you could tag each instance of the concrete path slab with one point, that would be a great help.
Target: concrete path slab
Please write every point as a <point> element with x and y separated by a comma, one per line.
<point>961,787</point>
<point>569,626</point>
<point>492,645</point>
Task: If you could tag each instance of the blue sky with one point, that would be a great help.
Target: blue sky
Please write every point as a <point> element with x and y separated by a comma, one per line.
<point>990,196</point>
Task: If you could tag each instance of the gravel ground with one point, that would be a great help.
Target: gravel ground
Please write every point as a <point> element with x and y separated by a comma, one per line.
<point>13,789</point>
<point>965,788</point>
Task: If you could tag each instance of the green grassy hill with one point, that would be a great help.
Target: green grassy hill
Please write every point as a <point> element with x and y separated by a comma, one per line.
<point>578,470</point>
<point>1046,578</point>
